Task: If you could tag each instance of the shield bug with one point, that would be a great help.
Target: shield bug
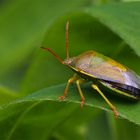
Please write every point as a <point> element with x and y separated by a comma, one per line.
<point>103,72</point>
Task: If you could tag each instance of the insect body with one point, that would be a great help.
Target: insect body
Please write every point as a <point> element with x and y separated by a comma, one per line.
<point>102,71</point>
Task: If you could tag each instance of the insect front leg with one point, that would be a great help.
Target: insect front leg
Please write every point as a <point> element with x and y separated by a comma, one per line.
<point>78,82</point>
<point>70,81</point>
<point>107,101</point>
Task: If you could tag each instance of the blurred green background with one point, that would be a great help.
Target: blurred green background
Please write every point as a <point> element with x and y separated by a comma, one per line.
<point>31,80</point>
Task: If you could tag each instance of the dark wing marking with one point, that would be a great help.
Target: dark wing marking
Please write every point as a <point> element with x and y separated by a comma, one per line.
<point>125,88</point>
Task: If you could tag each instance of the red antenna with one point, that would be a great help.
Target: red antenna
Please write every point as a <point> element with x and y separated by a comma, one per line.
<point>58,58</point>
<point>67,50</point>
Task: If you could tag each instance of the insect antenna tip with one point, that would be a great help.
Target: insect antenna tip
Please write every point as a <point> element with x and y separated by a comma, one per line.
<point>57,57</point>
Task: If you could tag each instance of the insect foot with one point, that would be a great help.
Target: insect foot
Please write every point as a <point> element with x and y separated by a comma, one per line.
<point>61,98</point>
<point>116,114</point>
<point>82,102</point>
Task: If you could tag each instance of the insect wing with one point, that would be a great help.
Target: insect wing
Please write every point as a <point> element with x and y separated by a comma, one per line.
<point>105,68</point>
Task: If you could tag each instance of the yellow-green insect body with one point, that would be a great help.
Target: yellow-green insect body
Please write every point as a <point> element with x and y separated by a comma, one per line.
<point>103,72</point>
<point>99,68</point>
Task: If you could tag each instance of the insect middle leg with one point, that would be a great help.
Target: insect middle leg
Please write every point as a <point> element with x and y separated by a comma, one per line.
<point>70,81</point>
<point>107,101</point>
<point>78,82</point>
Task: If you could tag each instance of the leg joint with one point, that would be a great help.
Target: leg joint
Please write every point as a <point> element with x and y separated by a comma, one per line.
<point>78,82</point>
<point>72,79</point>
<point>95,87</point>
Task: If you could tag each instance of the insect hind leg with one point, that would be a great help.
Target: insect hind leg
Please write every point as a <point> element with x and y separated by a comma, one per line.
<point>105,98</point>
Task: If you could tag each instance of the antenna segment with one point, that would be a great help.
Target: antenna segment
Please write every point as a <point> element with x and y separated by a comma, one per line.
<point>67,50</point>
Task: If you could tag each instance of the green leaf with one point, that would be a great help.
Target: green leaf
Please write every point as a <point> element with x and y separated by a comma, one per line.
<point>102,131</point>
<point>42,114</point>
<point>6,95</point>
<point>123,19</point>
<point>126,109</point>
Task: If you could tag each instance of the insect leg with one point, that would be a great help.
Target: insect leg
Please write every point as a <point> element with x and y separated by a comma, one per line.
<point>70,81</point>
<point>78,82</point>
<point>107,101</point>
